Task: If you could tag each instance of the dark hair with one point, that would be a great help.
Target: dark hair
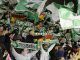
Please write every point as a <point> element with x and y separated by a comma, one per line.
<point>30,30</point>
<point>38,54</point>
<point>78,58</point>
<point>1,25</point>
<point>18,50</point>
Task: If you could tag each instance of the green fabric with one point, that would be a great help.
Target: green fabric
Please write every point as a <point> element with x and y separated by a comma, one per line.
<point>35,6</point>
<point>65,18</point>
<point>21,6</point>
<point>75,34</point>
<point>1,10</point>
<point>0,1</point>
<point>23,45</point>
<point>32,16</point>
<point>79,9</point>
<point>76,23</point>
<point>65,13</point>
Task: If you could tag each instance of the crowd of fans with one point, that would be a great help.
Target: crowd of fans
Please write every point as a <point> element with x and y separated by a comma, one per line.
<point>64,49</point>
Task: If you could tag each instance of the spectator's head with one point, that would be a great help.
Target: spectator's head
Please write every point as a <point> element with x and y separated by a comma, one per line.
<point>62,58</point>
<point>31,32</point>
<point>1,28</point>
<point>45,46</point>
<point>25,51</point>
<point>11,35</point>
<point>78,43</point>
<point>16,30</point>
<point>57,46</point>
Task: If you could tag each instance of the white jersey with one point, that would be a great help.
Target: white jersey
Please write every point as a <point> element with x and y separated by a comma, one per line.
<point>21,57</point>
<point>44,54</point>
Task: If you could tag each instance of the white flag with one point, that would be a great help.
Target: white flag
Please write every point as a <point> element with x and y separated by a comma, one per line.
<point>41,7</point>
<point>65,13</point>
<point>55,12</point>
<point>66,24</point>
<point>65,18</point>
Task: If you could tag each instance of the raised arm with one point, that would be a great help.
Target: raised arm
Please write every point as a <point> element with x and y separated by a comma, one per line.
<point>33,53</point>
<point>42,50</point>
<point>15,54</point>
<point>51,47</point>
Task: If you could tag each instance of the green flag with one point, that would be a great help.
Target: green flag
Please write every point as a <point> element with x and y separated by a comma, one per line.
<point>76,34</point>
<point>32,16</point>
<point>65,18</point>
<point>21,6</point>
<point>78,7</point>
<point>0,2</point>
<point>68,20</point>
<point>76,21</point>
<point>65,13</point>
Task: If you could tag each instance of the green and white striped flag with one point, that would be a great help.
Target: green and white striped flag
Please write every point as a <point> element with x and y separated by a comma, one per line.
<point>23,45</point>
<point>65,18</point>
<point>68,20</point>
<point>65,13</point>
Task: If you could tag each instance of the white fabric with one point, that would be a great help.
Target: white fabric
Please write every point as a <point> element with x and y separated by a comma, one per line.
<point>21,57</point>
<point>66,24</point>
<point>55,12</point>
<point>76,21</point>
<point>78,1</point>
<point>37,1</point>
<point>40,8</point>
<point>0,1</point>
<point>44,54</point>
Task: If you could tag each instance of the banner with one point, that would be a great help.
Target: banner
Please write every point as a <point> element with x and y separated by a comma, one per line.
<point>55,41</point>
<point>24,45</point>
<point>32,46</point>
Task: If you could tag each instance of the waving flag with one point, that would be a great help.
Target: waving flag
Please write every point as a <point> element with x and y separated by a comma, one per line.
<point>0,2</point>
<point>78,7</point>
<point>41,7</point>
<point>65,18</point>
<point>68,20</point>
<point>76,21</point>
<point>21,6</point>
<point>54,10</point>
